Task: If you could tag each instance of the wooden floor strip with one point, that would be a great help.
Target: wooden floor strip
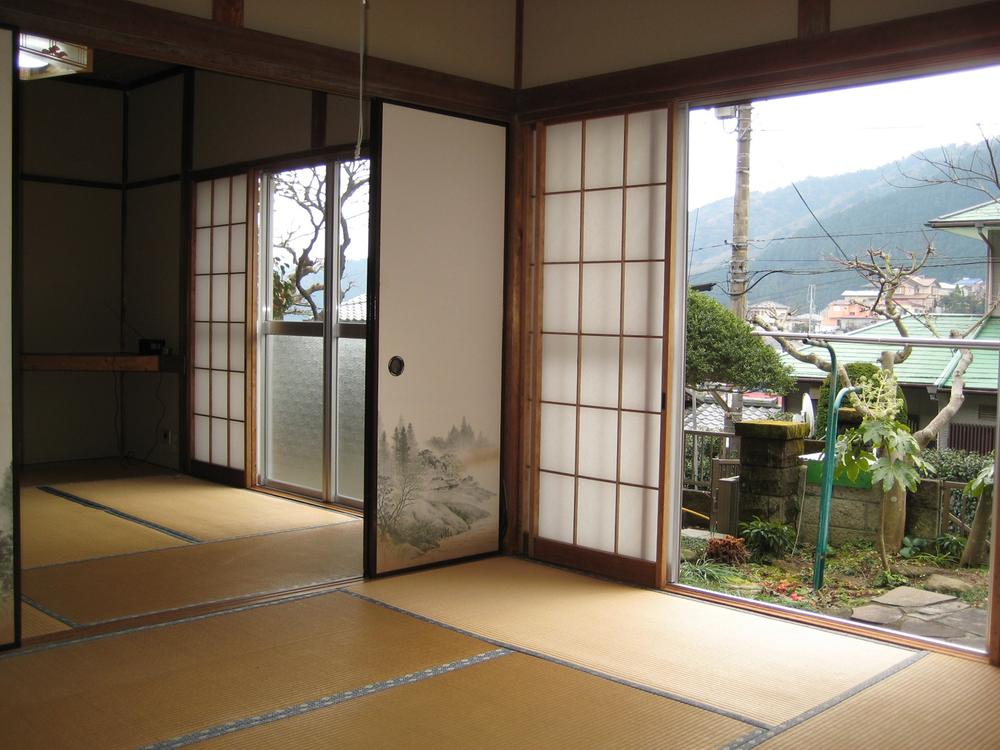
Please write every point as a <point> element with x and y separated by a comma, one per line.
<point>515,701</point>
<point>112,588</point>
<point>708,654</point>
<point>154,684</point>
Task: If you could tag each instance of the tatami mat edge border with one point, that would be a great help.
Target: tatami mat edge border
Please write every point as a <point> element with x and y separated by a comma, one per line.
<point>120,514</point>
<point>196,544</point>
<point>563,662</point>
<point>757,738</point>
<point>298,709</point>
<point>54,615</point>
<point>152,626</point>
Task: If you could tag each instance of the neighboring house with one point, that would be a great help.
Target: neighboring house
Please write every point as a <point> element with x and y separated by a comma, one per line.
<point>847,315</point>
<point>980,222</point>
<point>925,377</point>
<point>354,310</point>
<point>775,312</point>
<point>710,417</point>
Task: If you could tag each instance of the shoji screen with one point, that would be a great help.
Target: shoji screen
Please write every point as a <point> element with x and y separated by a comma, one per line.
<point>601,210</point>
<point>219,327</point>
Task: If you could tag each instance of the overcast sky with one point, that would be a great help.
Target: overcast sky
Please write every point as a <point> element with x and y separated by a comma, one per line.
<point>818,135</point>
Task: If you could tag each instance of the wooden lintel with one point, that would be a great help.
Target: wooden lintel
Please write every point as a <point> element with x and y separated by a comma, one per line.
<point>101,363</point>
<point>935,41</point>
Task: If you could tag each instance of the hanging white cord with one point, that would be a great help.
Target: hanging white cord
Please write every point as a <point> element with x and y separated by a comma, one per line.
<point>361,78</point>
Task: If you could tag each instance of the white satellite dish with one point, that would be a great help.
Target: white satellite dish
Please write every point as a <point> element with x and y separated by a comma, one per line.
<point>808,413</point>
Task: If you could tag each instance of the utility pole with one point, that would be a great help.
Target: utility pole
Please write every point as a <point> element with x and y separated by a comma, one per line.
<point>741,235</point>
<point>812,306</point>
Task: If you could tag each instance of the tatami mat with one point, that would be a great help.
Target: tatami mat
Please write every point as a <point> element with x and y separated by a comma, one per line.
<point>147,686</point>
<point>512,701</point>
<point>56,530</point>
<point>939,702</point>
<point>205,511</point>
<point>110,588</point>
<point>34,622</point>
<point>702,652</point>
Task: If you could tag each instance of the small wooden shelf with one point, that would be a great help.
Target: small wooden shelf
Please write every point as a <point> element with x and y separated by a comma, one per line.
<point>122,362</point>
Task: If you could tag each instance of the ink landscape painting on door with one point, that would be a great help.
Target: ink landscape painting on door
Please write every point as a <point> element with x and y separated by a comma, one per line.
<point>441,240</point>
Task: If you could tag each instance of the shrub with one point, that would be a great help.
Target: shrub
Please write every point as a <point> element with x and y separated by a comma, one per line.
<point>727,549</point>
<point>954,465</point>
<point>767,540</point>
<point>950,546</point>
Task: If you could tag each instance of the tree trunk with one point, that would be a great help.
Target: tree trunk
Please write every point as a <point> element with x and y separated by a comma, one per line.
<point>893,521</point>
<point>974,553</point>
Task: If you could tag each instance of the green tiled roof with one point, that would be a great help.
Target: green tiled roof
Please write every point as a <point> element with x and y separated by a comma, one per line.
<point>926,365</point>
<point>964,222</point>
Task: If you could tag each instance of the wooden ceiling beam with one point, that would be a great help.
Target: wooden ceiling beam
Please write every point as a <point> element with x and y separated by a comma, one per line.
<point>145,31</point>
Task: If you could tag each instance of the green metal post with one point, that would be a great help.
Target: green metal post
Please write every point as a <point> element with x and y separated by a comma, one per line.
<point>826,490</point>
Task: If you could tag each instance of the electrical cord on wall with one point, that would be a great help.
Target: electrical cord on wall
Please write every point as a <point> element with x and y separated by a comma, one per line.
<point>363,33</point>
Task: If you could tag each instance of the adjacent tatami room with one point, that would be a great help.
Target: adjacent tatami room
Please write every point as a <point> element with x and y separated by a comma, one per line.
<point>344,383</point>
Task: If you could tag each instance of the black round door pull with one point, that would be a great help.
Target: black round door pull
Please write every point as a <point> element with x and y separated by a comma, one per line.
<point>396,366</point>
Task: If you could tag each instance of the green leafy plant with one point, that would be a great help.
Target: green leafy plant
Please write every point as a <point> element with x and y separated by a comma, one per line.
<point>954,465</point>
<point>729,550</point>
<point>913,546</point>
<point>703,572</point>
<point>888,579</point>
<point>767,540</point>
<point>950,546</point>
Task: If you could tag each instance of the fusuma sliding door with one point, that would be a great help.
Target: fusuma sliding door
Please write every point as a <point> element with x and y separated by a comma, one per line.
<point>9,610</point>
<point>433,489</point>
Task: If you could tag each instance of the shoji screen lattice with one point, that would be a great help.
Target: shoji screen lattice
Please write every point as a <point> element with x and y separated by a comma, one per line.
<point>219,328</point>
<point>601,239</point>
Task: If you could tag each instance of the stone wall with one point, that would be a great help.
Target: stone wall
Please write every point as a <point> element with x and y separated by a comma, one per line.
<point>770,469</point>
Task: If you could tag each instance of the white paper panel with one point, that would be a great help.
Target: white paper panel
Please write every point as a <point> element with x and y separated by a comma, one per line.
<point>237,346</point>
<point>559,303</point>
<point>236,449</point>
<point>220,296</point>
<point>202,345</point>
<point>599,371</point>
<point>203,250</point>
<point>220,201</point>
<point>637,522</point>
<point>220,348</point>
<point>555,507</point>
<point>201,439</point>
<point>646,214</point>
<point>203,205</point>
<point>201,386</point>
<point>595,527</point>
<point>220,442</point>
<point>563,152</point>
<point>558,430</point>
<point>601,298</point>
<point>559,368</point>
<point>220,393</point>
<point>562,227</point>
<point>605,150</point>
<point>220,250</point>
<point>202,297</point>
<point>237,296</point>
<point>236,397</point>
<point>640,449</point>
<point>238,248</point>
<point>602,225</point>
<point>647,147</point>
<point>642,374</point>
<point>598,442</point>
<point>239,199</point>
<point>644,299</point>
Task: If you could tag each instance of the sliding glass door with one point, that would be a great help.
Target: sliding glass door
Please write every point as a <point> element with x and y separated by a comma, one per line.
<point>312,330</point>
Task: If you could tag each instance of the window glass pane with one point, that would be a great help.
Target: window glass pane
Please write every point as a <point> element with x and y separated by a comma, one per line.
<point>298,244</point>
<point>351,418</point>
<point>294,410</point>
<point>353,238</point>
